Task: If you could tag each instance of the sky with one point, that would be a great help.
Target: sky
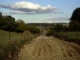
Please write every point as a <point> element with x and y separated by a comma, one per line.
<point>39,11</point>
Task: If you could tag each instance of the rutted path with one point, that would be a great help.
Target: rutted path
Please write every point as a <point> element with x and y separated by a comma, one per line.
<point>50,48</point>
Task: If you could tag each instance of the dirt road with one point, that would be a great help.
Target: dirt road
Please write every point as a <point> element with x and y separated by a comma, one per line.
<point>50,48</point>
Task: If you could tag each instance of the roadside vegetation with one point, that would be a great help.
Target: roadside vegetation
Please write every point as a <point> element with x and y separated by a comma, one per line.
<point>69,33</point>
<point>14,34</point>
<point>18,40</point>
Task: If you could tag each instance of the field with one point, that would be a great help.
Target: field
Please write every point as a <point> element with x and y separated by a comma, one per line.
<point>70,36</point>
<point>67,36</point>
<point>17,39</point>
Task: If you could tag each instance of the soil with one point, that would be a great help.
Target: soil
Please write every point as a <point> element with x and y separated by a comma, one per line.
<point>50,48</point>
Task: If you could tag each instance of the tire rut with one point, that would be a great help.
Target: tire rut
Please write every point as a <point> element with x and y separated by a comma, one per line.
<point>50,48</point>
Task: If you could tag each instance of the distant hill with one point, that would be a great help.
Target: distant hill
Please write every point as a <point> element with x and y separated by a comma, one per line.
<point>45,24</point>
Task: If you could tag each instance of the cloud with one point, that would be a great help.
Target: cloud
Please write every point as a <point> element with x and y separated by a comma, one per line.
<point>29,8</point>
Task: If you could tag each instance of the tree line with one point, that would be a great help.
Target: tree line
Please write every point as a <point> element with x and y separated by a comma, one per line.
<point>8,23</point>
<point>74,24</point>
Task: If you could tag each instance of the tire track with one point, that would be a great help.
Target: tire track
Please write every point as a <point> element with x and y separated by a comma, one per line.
<point>50,48</point>
<point>35,47</point>
<point>74,49</point>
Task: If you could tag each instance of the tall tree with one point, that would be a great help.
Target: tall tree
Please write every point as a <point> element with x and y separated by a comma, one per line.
<point>75,20</point>
<point>10,23</point>
<point>75,15</point>
<point>1,20</point>
<point>74,25</point>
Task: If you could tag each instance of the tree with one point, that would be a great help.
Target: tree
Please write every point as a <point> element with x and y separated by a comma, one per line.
<point>75,15</point>
<point>75,20</point>
<point>9,23</point>
<point>33,29</point>
<point>1,20</point>
<point>21,26</point>
<point>58,27</point>
<point>74,25</point>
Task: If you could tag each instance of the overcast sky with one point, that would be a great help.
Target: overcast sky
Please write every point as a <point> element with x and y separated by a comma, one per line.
<point>39,11</point>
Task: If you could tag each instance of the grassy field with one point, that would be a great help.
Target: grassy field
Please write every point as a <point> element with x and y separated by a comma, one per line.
<point>70,36</point>
<point>4,37</point>
<point>17,39</point>
<point>67,36</point>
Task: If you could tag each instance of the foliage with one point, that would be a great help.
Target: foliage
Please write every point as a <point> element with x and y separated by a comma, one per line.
<point>53,31</point>
<point>17,43</point>
<point>58,27</point>
<point>1,20</point>
<point>76,15</point>
<point>74,25</point>
<point>75,20</point>
<point>70,36</point>
<point>20,26</point>
<point>33,29</point>
<point>8,23</point>
<point>63,33</point>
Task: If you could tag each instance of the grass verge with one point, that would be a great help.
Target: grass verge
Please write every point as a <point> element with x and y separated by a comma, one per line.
<point>17,42</point>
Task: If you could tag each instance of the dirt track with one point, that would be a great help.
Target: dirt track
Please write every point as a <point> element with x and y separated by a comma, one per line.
<point>50,48</point>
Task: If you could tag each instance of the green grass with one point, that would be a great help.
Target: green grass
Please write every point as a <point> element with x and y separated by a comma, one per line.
<point>67,36</point>
<point>4,37</point>
<point>70,36</point>
<point>16,41</point>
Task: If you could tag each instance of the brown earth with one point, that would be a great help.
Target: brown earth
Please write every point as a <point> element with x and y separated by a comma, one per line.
<point>50,48</point>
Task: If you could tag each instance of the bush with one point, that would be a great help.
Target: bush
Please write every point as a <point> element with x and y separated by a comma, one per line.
<point>33,29</point>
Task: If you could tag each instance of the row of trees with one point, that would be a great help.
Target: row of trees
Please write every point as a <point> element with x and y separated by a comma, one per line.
<point>56,29</point>
<point>8,23</point>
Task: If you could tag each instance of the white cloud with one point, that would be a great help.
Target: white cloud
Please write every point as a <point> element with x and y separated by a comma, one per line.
<point>28,8</point>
